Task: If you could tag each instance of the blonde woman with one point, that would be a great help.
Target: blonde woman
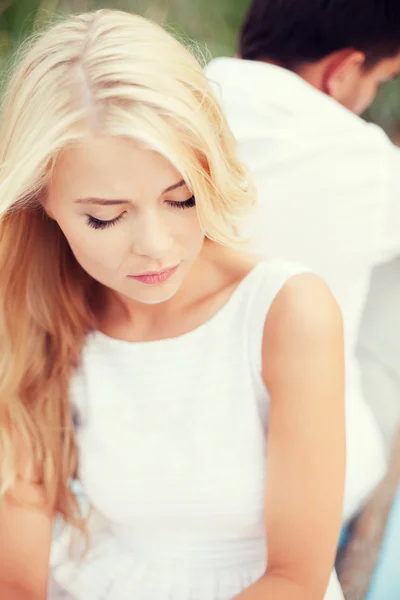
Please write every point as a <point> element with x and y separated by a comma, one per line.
<point>195,392</point>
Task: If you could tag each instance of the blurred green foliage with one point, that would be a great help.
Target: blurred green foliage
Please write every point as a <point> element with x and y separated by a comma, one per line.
<point>18,18</point>
<point>213,24</point>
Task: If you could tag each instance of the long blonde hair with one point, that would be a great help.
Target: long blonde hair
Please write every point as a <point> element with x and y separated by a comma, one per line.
<point>110,73</point>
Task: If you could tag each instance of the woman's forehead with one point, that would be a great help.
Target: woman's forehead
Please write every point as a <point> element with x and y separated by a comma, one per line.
<point>114,167</point>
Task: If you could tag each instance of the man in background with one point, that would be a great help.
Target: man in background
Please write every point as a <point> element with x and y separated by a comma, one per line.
<point>328,183</point>
<point>379,349</point>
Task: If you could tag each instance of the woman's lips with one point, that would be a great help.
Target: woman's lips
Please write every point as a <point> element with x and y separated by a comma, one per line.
<point>155,278</point>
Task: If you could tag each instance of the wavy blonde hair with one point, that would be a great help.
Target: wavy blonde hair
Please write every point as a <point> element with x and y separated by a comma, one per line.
<point>111,73</point>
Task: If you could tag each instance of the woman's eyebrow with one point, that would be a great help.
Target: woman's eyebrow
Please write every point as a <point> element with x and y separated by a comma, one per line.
<point>180,183</point>
<point>100,201</point>
<point>104,202</point>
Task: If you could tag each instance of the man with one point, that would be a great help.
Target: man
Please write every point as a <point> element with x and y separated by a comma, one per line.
<point>328,183</point>
<point>379,350</point>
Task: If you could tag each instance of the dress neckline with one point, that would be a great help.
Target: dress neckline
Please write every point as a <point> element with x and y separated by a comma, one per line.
<point>99,336</point>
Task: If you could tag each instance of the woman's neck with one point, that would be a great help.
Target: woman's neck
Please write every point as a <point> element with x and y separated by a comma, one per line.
<point>203,289</point>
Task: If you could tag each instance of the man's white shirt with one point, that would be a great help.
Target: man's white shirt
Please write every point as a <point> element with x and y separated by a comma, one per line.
<point>329,197</point>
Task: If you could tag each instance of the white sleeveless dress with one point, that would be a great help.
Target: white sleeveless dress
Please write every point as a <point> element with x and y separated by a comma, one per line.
<point>172,440</point>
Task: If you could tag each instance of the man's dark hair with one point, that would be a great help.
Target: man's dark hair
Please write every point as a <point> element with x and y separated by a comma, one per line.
<point>294,32</point>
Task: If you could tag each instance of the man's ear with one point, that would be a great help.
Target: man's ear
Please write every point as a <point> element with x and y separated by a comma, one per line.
<point>343,73</point>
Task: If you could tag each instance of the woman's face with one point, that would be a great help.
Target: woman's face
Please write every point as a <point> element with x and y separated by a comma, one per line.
<point>128,216</point>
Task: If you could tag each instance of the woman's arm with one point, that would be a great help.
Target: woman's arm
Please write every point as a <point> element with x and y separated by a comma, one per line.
<point>25,539</point>
<point>303,369</point>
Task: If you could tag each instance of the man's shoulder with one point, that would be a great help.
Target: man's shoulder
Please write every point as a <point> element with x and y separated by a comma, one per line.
<point>355,129</point>
<point>347,133</point>
<point>282,113</point>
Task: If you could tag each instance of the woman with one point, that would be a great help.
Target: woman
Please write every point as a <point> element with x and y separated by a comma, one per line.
<point>144,354</point>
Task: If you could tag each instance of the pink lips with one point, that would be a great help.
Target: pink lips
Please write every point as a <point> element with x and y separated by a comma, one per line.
<point>155,278</point>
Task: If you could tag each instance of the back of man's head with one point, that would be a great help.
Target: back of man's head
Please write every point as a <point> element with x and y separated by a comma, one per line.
<point>294,32</point>
<point>345,48</point>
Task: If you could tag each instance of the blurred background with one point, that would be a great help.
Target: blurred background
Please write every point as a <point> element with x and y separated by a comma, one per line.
<point>213,24</point>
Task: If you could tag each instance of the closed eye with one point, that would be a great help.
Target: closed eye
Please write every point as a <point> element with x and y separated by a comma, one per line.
<point>189,203</point>
<point>99,224</point>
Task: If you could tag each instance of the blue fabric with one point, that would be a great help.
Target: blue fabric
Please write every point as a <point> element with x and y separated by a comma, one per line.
<point>344,537</point>
<point>386,581</point>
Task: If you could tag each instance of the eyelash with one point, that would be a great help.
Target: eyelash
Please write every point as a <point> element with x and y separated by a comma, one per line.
<point>99,224</point>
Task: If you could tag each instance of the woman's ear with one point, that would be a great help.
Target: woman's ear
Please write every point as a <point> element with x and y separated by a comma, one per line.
<point>48,213</point>
<point>46,207</point>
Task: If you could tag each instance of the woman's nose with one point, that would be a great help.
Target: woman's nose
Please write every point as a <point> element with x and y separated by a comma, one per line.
<point>152,237</point>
